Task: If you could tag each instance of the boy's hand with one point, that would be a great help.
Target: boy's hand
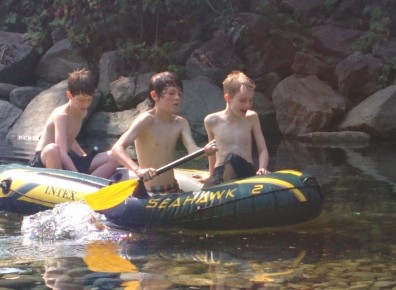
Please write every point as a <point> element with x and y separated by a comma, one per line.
<point>262,171</point>
<point>201,177</point>
<point>146,173</point>
<point>210,148</point>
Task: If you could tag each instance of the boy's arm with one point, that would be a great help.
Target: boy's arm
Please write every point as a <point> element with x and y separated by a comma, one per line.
<point>77,148</point>
<point>60,124</point>
<point>211,158</point>
<point>261,146</point>
<point>189,142</point>
<point>127,139</point>
<point>187,138</point>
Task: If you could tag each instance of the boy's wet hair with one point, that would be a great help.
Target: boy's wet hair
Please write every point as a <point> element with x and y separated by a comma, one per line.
<point>235,80</point>
<point>81,81</point>
<point>160,81</point>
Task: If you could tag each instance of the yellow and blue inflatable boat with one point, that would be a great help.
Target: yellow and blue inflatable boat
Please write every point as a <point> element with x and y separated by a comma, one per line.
<point>279,198</point>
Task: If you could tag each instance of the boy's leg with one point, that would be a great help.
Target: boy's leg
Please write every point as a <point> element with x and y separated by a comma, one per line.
<point>237,167</point>
<point>50,156</point>
<point>103,165</point>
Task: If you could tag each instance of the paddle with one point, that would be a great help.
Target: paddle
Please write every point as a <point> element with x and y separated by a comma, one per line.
<point>112,195</point>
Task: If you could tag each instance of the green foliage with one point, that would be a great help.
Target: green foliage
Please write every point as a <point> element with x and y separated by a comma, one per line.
<point>378,29</point>
<point>141,29</point>
<point>388,72</point>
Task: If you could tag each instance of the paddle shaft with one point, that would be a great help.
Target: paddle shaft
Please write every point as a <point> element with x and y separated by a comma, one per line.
<point>180,161</point>
<point>112,195</point>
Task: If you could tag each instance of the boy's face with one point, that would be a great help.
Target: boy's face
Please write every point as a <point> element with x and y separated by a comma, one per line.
<point>169,100</point>
<point>242,101</point>
<point>80,102</point>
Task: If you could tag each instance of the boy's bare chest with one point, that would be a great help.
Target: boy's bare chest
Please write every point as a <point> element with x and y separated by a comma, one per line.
<point>165,134</point>
<point>233,128</point>
<point>73,127</point>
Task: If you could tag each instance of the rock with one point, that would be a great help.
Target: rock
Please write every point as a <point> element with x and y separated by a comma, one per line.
<point>275,55</point>
<point>17,59</point>
<point>39,109</point>
<point>5,90</point>
<point>60,60</point>
<point>304,11</point>
<point>129,92</point>
<point>200,98</point>
<point>21,96</point>
<point>8,114</point>
<point>111,67</point>
<point>214,59</point>
<point>337,139</point>
<point>375,115</point>
<point>357,76</point>
<point>308,64</point>
<point>305,105</point>
<point>335,40</point>
<point>105,124</point>
<point>385,50</point>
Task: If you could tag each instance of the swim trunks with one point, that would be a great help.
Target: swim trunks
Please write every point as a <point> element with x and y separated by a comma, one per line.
<point>82,163</point>
<point>173,187</point>
<point>36,160</point>
<point>241,167</point>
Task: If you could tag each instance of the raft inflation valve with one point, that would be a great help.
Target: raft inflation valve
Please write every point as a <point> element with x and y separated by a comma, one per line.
<point>310,181</point>
<point>6,185</point>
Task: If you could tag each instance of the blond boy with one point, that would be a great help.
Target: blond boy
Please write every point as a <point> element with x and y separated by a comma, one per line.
<point>234,129</point>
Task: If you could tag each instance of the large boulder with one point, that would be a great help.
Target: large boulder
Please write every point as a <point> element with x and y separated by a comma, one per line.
<point>32,121</point>
<point>60,60</point>
<point>335,40</point>
<point>106,124</point>
<point>8,114</point>
<point>385,50</point>
<point>214,59</point>
<point>17,59</point>
<point>306,63</point>
<point>111,67</point>
<point>357,76</point>
<point>305,105</point>
<point>5,90</point>
<point>21,96</point>
<point>375,115</point>
<point>274,55</point>
<point>200,98</point>
<point>128,92</point>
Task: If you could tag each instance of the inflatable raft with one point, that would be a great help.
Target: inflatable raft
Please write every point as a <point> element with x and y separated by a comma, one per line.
<point>279,198</point>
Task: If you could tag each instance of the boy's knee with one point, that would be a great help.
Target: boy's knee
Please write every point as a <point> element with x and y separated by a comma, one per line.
<point>51,148</point>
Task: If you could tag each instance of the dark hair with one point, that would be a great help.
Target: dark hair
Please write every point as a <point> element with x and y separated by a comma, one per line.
<point>81,81</point>
<point>160,81</point>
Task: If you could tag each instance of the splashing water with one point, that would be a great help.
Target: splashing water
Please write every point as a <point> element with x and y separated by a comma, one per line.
<point>66,221</point>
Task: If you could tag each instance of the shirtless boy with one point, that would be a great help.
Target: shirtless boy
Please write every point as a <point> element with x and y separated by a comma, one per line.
<point>233,128</point>
<point>155,134</point>
<point>57,147</point>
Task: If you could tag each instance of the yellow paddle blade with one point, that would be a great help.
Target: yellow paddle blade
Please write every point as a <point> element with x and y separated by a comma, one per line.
<point>112,195</point>
<point>104,257</point>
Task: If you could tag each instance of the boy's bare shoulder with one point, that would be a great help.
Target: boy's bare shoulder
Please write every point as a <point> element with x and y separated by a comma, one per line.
<point>251,113</point>
<point>59,113</point>
<point>213,117</point>
<point>179,119</point>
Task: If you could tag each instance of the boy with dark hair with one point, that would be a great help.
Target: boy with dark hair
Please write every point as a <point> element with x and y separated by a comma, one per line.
<point>155,134</point>
<point>233,128</point>
<point>57,147</point>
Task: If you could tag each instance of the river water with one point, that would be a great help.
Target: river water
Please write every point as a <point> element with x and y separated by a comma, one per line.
<point>351,245</point>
